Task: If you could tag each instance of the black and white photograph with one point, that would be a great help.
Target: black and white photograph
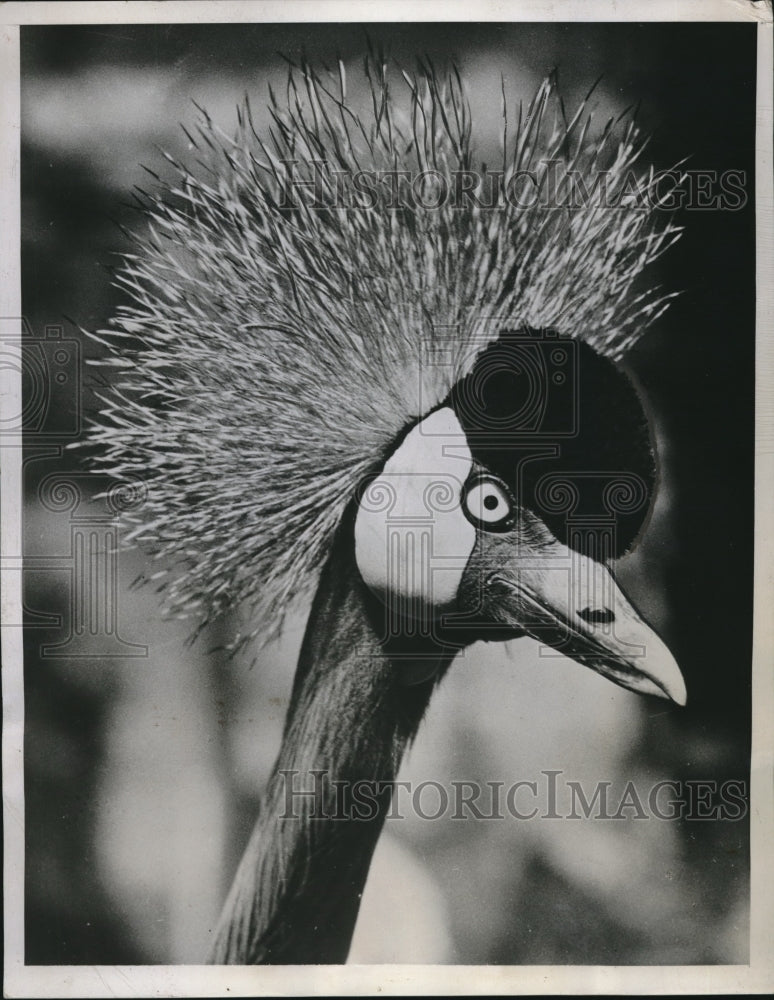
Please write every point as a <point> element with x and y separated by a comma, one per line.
<point>387,533</point>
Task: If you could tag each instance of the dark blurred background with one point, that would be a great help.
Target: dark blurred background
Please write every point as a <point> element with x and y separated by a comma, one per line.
<point>144,762</point>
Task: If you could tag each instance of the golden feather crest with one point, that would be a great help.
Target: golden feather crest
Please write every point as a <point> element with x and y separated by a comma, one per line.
<point>304,291</point>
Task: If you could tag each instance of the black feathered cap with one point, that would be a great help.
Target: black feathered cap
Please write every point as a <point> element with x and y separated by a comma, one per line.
<point>564,427</point>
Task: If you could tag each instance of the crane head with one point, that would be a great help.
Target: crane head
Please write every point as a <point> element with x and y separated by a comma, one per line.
<point>274,349</point>
<point>499,513</point>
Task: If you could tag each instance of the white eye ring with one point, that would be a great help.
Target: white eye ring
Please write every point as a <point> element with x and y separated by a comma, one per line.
<point>487,503</point>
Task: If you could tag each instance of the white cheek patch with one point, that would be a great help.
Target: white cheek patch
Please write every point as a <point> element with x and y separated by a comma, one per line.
<point>412,540</point>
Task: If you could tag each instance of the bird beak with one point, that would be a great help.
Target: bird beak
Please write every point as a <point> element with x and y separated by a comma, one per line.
<point>573,603</point>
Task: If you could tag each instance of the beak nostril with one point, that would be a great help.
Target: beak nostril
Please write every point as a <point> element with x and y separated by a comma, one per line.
<point>597,616</point>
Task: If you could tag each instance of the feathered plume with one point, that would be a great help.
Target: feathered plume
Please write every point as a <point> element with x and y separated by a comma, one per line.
<point>295,301</point>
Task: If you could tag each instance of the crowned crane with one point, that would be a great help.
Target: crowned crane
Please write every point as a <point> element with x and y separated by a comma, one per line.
<point>350,360</point>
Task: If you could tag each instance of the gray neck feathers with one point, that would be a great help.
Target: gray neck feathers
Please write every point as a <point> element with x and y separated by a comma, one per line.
<point>297,892</point>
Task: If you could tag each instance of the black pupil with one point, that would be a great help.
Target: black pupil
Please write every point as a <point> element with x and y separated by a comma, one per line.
<point>490,501</point>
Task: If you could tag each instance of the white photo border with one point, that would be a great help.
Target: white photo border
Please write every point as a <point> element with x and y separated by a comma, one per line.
<point>139,981</point>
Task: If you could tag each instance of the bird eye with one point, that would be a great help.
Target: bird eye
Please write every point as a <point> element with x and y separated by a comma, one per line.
<point>487,503</point>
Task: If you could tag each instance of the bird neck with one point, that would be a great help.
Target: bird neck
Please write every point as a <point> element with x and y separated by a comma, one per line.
<point>297,892</point>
